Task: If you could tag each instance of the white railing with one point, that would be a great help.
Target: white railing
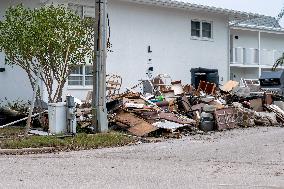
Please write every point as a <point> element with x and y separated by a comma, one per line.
<point>237,55</point>
<point>250,56</point>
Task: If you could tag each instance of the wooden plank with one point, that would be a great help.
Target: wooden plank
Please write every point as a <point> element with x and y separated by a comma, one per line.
<point>137,126</point>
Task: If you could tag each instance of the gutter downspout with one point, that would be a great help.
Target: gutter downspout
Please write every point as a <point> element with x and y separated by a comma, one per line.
<point>259,57</point>
<point>229,50</point>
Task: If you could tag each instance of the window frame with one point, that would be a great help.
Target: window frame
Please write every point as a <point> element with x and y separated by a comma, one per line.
<point>77,75</point>
<point>201,30</point>
<point>88,75</point>
<point>83,75</point>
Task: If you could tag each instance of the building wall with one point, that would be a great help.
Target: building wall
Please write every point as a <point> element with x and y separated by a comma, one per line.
<point>249,39</point>
<point>246,39</point>
<point>134,27</point>
<point>272,41</point>
<point>248,73</point>
<point>14,82</point>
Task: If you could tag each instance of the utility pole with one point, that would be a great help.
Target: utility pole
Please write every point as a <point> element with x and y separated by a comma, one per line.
<point>99,120</point>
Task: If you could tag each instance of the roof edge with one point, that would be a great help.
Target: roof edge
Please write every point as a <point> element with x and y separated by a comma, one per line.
<point>190,6</point>
<point>263,28</point>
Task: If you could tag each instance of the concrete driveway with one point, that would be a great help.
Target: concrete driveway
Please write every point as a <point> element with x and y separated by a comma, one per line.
<point>240,158</point>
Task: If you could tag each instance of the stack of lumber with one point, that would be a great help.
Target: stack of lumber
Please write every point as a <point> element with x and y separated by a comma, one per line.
<point>278,111</point>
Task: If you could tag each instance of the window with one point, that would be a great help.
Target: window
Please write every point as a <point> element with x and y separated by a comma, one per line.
<point>81,76</point>
<point>76,76</point>
<point>88,75</point>
<point>82,10</point>
<point>77,9</point>
<point>201,29</point>
<point>195,28</point>
<point>206,29</point>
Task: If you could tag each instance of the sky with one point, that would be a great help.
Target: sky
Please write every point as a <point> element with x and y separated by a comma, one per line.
<point>266,7</point>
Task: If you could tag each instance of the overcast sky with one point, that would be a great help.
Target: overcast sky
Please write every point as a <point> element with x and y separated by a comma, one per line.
<point>266,7</point>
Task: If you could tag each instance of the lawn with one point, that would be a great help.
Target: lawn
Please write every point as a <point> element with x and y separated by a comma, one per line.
<point>12,138</point>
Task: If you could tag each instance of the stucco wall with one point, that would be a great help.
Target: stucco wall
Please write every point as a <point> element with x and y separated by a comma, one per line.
<point>134,27</point>
<point>248,73</point>
<point>167,31</point>
<point>249,39</point>
<point>272,41</point>
<point>246,39</point>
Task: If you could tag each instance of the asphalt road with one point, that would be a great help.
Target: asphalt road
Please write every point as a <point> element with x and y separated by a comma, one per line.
<point>241,158</point>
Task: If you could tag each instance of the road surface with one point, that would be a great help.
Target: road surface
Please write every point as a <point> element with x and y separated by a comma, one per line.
<point>240,158</point>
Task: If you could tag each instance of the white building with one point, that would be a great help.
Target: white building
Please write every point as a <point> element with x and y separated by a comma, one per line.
<point>175,36</point>
<point>255,46</point>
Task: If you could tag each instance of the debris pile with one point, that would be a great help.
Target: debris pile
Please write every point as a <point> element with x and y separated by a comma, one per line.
<point>169,108</point>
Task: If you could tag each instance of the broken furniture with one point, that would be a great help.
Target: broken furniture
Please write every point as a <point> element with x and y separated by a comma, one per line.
<point>278,111</point>
<point>252,84</point>
<point>177,87</point>
<point>272,81</point>
<point>229,86</point>
<point>162,82</point>
<point>204,74</point>
<point>173,108</point>
<point>113,84</point>
<point>133,124</point>
<point>206,87</point>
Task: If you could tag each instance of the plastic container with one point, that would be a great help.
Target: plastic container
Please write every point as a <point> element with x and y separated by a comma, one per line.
<point>207,125</point>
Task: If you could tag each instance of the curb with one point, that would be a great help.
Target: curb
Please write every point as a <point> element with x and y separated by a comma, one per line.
<point>26,151</point>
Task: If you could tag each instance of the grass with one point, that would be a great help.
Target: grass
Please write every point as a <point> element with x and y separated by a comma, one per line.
<point>11,132</point>
<point>81,141</point>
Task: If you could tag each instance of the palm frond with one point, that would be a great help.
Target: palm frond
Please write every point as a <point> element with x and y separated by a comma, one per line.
<point>279,62</point>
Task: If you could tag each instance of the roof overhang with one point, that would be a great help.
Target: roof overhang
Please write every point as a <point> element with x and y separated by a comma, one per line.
<point>232,14</point>
<point>258,28</point>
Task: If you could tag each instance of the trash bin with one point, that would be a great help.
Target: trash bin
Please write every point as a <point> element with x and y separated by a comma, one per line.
<point>207,122</point>
<point>57,118</point>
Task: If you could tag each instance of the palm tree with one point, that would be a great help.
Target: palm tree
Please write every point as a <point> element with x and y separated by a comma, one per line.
<point>279,62</point>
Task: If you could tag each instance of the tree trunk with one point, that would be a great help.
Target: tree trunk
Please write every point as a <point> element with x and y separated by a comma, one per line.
<point>28,126</point>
